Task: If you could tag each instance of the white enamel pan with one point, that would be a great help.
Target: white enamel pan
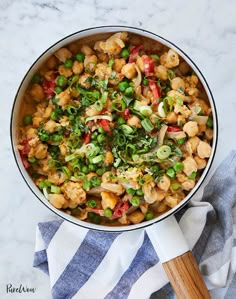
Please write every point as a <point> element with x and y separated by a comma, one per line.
<point>164,231</point>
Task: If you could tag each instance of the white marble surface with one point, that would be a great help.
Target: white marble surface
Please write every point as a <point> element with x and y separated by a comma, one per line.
<point>204,29</point>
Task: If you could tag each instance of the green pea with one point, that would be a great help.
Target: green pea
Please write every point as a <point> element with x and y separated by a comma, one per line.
<point>129,91</point>
<point>108,213</point>
<point>101,138</point>
<point>61,81</point>
<point>53,115</point>
<point>171,173</point>
<point>27,120</point>
<point>87,185</point>
<point>101,171</point>
<point>121,121</point>
<point>92,167</point>
<point>135,201</point>
<point>71,117</point>
<point>178,166</point>
<point>68,63</point>
<point>80,57</point>
<point>56,137</point>
<point>58,89</point>
<point>124,53</point>
<point>95,181</point>
<point>123,85</point>
<point>181,141</point>
<point>139,192</point>
<point>101,130</point>
<point>92,203</point>
<point>145,82</point>
<point>149,215</point>
<point>36,78</point>
<point>94,135</point>
<point>130,191</point>
<point>193,175</point>
<point>85,169</point>
<point>44,137</point>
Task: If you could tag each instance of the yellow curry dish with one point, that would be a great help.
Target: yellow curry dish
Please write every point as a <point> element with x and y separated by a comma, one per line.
<point>119,129</point>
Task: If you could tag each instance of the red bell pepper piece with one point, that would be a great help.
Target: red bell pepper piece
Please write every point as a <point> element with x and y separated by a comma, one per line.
<point>25,161</point>
<point>87,138</point>
<point>155,90</point>
<point>126,113</point>
<point>134,53</point>
<point>120,208</point>
<point>148,65</point>
<point>105,125</point>
<point>173,129</point>
<point>49,87</point>
<point>26,146</point>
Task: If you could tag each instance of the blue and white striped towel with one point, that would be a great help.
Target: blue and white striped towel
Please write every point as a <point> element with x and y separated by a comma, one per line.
<point>85,264</point>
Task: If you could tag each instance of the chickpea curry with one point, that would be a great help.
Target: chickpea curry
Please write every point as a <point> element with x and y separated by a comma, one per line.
<point>120,130</point>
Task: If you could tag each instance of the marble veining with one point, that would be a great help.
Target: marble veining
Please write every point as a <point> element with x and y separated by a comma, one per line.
<point>204,29</point>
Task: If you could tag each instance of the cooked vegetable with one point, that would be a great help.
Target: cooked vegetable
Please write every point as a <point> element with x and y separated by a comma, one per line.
<point>116,136</point>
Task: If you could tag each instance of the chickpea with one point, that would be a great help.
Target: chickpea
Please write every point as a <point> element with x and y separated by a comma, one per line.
<point>77,67</point>
<point>64,98</point>
<point>51,62</point>
<point>164,183</point>
<point>36,92</point>
<point>109,200</point>
<point>171,117</point>
<point>194,141</point>
<point>86,50</point>
<point>171,201</point>
<point>129,70</point>
<point>57,200</point>
<point>190,166</point>
<point>109,159</point>
<point>192,91</point>
<point>64,71</point>
<point>47,112</point>
<point>188,185</point>
<point>83,81</point>
<point>118,64</point>
<point>63,149</point>
<point>136,217</point>
<point>90,63</point>
<point>63,54</point>
<point>184,67</point>
<point>31,133</point>
<point>172,59</point>
<point>201,163</point>
<point>134,121</point>
<point>177,83</point>
<point>49,75</point>
<point>191,128</point>
<point>36,121</point>
<point>50,126</point>
<point>41,151</point>
<point>204,150</point>
<point>161,72</point>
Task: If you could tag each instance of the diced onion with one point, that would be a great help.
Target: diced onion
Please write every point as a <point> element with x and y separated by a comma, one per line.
<point>162,133</point>
<point>161,110</point>
<point>176,135</point>
<point>137,81</point>
<point>200,119</point>
<point>96,117</point>
<point>45,192</point>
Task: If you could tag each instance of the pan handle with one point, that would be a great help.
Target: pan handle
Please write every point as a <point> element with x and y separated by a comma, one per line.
<point>178,261</point>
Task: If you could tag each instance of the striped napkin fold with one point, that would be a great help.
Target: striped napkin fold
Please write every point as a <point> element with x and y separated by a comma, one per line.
<point>85,264</point>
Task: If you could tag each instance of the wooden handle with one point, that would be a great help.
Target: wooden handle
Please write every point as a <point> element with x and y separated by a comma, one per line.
<point>185,277</point>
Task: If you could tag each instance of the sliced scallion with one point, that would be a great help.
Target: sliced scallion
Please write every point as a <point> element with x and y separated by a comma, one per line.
<point>147,125</point>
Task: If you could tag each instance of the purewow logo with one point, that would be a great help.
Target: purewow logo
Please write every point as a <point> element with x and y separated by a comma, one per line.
<point>19,289</point>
